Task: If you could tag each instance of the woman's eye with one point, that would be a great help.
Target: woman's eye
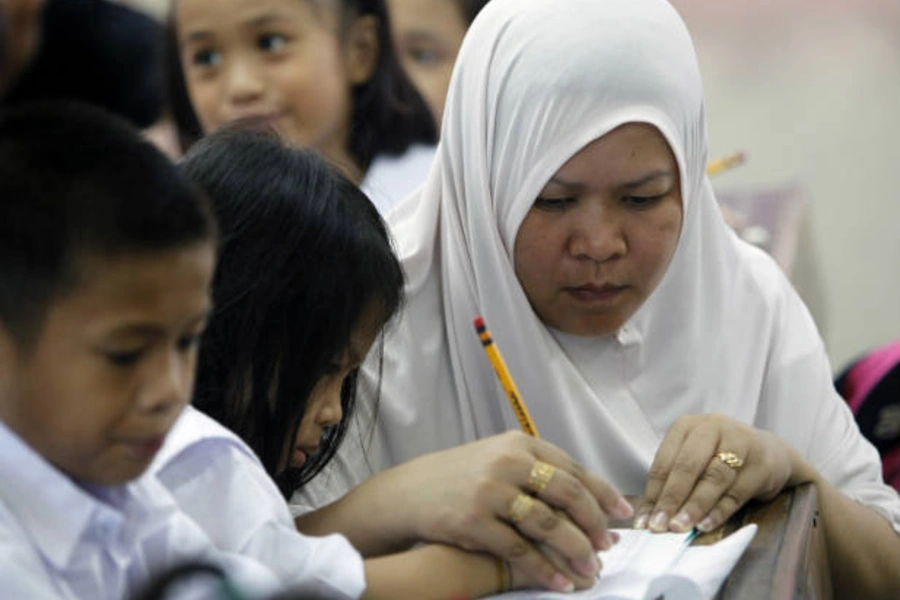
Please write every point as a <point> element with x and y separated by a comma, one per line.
<point>553,203</point>
<point>206,58</point>
<point>272,42</point>
<point>643,201</point>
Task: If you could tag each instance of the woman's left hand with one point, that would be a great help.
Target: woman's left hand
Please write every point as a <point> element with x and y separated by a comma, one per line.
<point>709,466</point>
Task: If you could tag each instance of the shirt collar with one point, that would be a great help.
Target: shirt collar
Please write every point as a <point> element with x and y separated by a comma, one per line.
<point>54,511</point>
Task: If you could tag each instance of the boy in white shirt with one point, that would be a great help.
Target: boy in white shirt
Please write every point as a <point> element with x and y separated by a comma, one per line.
<point>106,257</point>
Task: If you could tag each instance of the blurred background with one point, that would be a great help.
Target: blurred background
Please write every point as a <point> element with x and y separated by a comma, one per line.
<point>810,90</point>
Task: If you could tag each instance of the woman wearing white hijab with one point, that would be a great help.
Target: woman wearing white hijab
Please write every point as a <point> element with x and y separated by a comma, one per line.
<point>569,206</point>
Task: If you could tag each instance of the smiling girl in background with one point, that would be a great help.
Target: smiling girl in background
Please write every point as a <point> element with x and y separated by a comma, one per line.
<point>322,73</point>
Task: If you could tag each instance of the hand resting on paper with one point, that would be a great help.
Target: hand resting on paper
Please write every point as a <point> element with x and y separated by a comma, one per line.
<point>709,466</point>
<point>464,497</point>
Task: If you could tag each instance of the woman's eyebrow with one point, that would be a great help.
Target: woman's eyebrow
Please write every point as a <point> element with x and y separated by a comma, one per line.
<point>648,178</point>
<point>563,182</point>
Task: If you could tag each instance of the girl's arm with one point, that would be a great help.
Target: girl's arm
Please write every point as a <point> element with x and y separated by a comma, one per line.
<point>442,572</point>
<point>438,572</point>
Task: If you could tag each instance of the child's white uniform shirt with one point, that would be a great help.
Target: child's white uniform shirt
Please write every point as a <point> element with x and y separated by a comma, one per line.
<point>220,483</point>
<point>391,179</point>
<point>63,541</point>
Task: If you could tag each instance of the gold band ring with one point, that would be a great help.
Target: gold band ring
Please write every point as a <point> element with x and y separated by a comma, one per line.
<point>503,576</point>
<point>731,459</point>
<point>520,508</point>
<point>541,474</point>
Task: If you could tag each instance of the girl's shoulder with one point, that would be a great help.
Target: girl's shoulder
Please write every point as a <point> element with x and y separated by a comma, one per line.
<point>390,179</point>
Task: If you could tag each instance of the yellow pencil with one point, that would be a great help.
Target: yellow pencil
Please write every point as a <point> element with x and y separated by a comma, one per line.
<point>506,380</point>
<point>726,162</point>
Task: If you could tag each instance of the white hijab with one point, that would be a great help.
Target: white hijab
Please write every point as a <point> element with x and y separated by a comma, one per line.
<point>535,81</point>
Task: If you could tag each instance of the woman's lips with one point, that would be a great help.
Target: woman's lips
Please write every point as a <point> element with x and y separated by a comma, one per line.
<point>592,294</point>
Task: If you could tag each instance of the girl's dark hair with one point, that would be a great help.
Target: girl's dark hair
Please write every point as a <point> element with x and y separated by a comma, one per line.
<point>471,8</point>
<point>304,254</point>
<point>389,114</point>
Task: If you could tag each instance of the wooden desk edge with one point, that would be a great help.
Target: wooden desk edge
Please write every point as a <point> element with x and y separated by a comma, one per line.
<point>787,557</point>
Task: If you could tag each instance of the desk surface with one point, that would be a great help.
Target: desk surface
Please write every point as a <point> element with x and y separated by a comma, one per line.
<point>786,558</point>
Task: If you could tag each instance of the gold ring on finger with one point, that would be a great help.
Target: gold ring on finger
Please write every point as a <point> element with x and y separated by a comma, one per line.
<point>541,474</point>
<point>520,508</point>
<point>731,459</point>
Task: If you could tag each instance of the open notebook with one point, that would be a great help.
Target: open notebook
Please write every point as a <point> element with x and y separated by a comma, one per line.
<point>648,566</point>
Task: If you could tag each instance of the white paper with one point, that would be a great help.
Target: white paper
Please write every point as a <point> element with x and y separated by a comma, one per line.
<point>644,565</point>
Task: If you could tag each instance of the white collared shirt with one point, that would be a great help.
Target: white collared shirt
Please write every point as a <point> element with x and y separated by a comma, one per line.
<point>61,540</point>
<point>390,179</point>
<point>220,483</point>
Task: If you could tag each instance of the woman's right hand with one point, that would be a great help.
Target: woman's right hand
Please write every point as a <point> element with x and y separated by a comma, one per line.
<point>467,497</point>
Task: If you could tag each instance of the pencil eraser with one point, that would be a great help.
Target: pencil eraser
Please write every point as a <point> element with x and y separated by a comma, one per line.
<point>479,322</point>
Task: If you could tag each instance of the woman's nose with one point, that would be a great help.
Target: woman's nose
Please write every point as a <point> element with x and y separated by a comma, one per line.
<point>597,234</point>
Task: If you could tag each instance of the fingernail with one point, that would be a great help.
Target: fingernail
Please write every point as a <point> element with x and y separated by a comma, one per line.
<point>615,537</point>
<point>561,583</point>
<point>707,524</point>
<point>681,523</point>
<point>659,522</point>
<point>589,567</point>
<point>641,521</point>
<point>608,541</point>
<point>624,509</point>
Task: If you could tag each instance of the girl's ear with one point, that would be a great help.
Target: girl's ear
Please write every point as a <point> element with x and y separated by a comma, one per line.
<point>361,49</point>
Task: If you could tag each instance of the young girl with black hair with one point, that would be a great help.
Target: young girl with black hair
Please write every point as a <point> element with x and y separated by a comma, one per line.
<point>322,73</point>
<point>306,281</point>
<point>427,36</point>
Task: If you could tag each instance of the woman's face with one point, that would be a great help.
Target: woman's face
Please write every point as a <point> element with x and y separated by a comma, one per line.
<point>285,63</point>
<point>427,35</point>
<point>600,235</point>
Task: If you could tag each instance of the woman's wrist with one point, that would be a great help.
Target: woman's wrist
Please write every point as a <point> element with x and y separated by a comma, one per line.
<point>802,471</point>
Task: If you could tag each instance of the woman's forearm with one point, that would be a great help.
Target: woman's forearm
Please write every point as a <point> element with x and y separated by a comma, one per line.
<point>863,548</point>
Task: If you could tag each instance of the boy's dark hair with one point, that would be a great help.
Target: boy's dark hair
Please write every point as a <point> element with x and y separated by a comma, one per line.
<point>77,181</point>
<point>389,114</point>
<point>303,255</point>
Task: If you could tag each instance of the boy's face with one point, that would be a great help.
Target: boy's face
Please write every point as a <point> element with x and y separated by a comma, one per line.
<point>113,364</point>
